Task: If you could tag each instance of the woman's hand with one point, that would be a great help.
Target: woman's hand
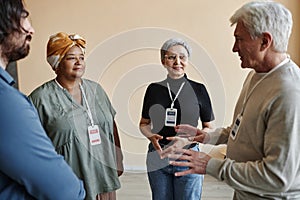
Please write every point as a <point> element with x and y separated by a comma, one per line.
<point>145,128</point>
<point>155,141</point>
<point>177,143</point>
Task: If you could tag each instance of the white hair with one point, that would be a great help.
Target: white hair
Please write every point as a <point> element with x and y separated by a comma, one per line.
<point>173,42</point>
<point>266,16</point>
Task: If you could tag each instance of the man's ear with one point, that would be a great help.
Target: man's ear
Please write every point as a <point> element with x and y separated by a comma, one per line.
<point>266,40</point>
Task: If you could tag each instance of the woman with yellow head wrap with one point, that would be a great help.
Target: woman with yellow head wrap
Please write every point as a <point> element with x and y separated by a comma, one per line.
<point>59,44</point>
<point>79,118</point>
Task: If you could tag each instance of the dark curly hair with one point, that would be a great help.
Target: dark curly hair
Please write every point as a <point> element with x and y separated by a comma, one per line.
<point>11,12</point>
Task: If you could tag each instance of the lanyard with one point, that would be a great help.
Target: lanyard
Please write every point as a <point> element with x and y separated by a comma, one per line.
<point>85,100</point>
<point>87,105</point>
<point>173,100</point>
<point>58,84</point>
<point>258,82</point>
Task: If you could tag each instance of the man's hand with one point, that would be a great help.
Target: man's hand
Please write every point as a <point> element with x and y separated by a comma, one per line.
<point>196,161</point>
<point>193,134</point>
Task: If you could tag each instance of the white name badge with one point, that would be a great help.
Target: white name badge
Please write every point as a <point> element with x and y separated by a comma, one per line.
<point>94,135</point>
<point>171,116</point>
<point>236,126</point>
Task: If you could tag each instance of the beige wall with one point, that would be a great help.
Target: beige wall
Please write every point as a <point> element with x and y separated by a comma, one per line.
<point>123,39</point>
<point>294,48</point>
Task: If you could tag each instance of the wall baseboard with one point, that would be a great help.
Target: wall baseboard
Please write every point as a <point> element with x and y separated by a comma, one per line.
<point>137,169</point>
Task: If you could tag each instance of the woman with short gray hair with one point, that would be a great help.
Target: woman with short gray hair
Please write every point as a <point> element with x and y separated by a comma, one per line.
<point>168,103</point>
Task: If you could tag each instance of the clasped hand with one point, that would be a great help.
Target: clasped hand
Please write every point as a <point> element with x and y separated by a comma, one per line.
<point>187,135</point>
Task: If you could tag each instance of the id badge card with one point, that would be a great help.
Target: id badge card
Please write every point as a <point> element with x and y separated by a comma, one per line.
<point>171,116</point>
<point>94,135</point>
<point>236,126</point>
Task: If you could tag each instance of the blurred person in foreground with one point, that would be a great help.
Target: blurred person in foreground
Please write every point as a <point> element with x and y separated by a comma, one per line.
<point>263,159</point>
<point>167,103</point>
<point>29,166</point>
<point>79,118</point>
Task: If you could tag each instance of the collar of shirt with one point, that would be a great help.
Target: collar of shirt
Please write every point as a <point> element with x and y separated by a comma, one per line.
<point>6,76</point>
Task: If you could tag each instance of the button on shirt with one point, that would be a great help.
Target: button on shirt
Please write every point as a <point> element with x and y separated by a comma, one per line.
<point>29,166</point>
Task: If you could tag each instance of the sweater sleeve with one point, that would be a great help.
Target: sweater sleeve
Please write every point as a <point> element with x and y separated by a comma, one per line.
<point>278,170</point>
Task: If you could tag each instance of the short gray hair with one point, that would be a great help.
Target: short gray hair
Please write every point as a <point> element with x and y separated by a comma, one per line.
<point>173,42</point>
<point>266,16</point>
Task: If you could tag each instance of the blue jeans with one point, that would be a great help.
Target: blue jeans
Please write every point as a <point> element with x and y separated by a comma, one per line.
<point>165,185</point>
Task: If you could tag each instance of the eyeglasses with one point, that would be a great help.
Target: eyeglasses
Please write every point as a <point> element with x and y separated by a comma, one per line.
<point>174,57</point>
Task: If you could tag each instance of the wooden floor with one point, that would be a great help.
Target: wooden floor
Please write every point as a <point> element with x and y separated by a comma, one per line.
<point>135,186</point>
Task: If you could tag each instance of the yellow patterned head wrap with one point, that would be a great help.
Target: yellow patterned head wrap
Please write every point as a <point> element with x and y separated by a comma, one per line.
<point>59,44</point>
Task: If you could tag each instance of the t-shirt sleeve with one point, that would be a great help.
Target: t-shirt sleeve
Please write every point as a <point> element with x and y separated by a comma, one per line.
<point>206,111</point>
<point>104,96</point>
<point>147,102</point>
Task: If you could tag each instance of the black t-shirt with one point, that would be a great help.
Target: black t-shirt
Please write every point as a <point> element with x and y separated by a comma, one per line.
<point>193,103</point>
